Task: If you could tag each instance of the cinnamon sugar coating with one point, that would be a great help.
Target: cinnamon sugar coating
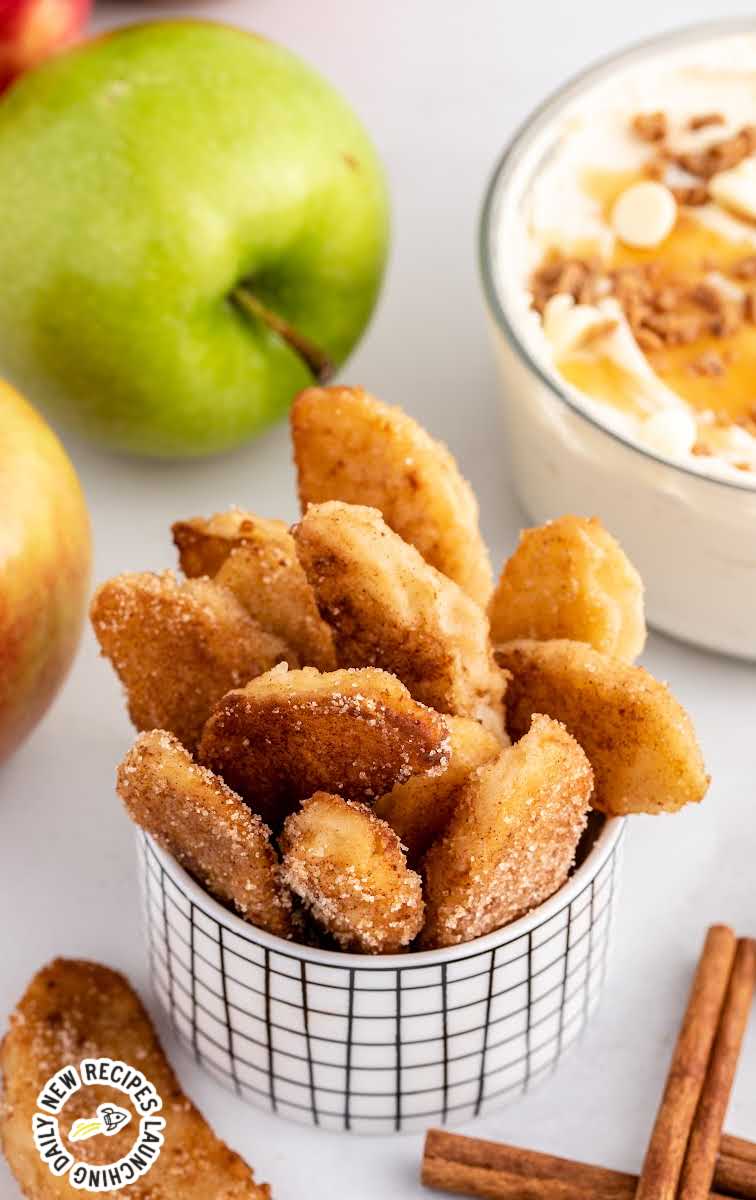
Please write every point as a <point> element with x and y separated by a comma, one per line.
<point>419,810</point>
<point>73,1010</point>
<point>349,869</point>
<point>571,579</point>
<point>354,732</point>
<point>389,608</point>
<point>349,446</point>
<point>178,647</point>
<point>206,827</point>
<point>640,741</point>
<point>512,837</point>
<point>256,559</point>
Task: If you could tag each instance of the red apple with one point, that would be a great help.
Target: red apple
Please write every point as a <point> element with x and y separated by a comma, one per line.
<point>45,553</point>
<point>30,30</point>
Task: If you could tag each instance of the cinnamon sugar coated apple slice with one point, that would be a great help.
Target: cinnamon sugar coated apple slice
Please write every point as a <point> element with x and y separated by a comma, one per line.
<point>389,608</point>
<point>571,579</point>
<point>639,739</point>
<point>511,840</point>
<point>206,827</point>
<point>256,559</point>
<point>355,732</point>
<point>419,810</point>
<point>178,647</point>
<point>349,446</point>
<point>74,1010</point>
<point>349,869</point>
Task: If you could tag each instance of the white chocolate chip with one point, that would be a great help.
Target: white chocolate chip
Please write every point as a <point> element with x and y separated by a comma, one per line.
<point>736,189</point>
<point>644,214</point>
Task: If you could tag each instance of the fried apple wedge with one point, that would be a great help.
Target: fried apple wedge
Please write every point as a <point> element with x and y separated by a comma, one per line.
<point>349,446</point>
<point>571,579</point>
<point>639,739</point>
<point>206,827</point>
<point>511,840</point>
<point>389,608</point>
<point>256,559</point>
<point>178,647</point>
<point>204,543</point>
<point>349,869</point>
<point>419,810</point>
<point>357,732</point>
<point>74,1010</point>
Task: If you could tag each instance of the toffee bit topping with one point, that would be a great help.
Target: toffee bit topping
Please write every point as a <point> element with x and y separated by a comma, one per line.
<point>703,120</point>
<point>708,364</point>
<point>660,310</point>
<point>650,126</point>
<point>719,156</point>
<point>745,268</point>
<point>693,195</point>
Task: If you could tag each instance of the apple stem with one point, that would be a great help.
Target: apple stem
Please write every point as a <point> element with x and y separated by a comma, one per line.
<point>318,362</point>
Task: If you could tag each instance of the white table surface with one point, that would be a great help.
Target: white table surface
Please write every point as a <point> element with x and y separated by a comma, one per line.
<point>441,84</point>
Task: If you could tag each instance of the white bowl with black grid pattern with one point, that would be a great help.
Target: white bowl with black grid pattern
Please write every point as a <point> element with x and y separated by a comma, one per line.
<point>380,1044</point>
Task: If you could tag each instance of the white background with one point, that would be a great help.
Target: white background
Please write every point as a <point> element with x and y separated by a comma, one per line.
<point>441,85</point>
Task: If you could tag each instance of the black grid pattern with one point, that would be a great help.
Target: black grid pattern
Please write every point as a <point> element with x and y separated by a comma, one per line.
<point>380,1048</point>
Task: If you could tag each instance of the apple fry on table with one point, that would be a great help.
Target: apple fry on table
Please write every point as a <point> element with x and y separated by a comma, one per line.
<point>289,733</point>
<point>349,446</point>
<point>511,840</point>
<point>419,810</point>
<point>256,559</point>
<point>206,827</point>
<point>640,741</point>
<point>389,608</point>
<point>73,1010</point>
<point>349,869</point>
<point>178,647</point>
<point>571,579</point>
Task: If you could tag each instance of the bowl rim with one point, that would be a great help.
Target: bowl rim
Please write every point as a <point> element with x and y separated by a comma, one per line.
<point>577,84</point>
<point>602,849</point>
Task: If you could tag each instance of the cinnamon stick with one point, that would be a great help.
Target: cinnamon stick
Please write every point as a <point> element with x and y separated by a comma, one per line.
<point>706,1130</point>
<point>471,1167</point>
<point>736,1176</point>
<point>735,1147</point>
<point>665,1155</point>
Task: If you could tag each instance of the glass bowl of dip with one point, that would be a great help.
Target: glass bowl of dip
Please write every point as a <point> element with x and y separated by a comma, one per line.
<point>687,520</point>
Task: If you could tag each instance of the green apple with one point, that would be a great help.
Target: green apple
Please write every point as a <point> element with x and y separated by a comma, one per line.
<point>193,227</point>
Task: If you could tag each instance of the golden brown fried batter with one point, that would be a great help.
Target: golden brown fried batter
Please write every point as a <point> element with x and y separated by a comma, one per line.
<point>389,608</point>
<point>419,810</point>
<point>512,837</point>
<point>349,869</point>
<point>256,559</point>
<point>291,732</point>
<point>204,543</point>
<point>207,827</point>
<point>571,579</point>
<point>74,1010</point>
<point>639,739</point>
<point>178,647</point>
<point>349,446</point>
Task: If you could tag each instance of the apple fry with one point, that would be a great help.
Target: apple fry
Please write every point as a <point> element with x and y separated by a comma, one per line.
<point>74,1010</point>
<point>204,543</point>
<point>511,840</point>
<point>389,608</point>
<point>178,647</point>
<point>256,559</point>
<point>571,579</point>
<point>349,446</point>
<point>419,810</point>
<point>348,868</point>
<point>289,732</point>
<point>206,827</point>
<point>639,739</point>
